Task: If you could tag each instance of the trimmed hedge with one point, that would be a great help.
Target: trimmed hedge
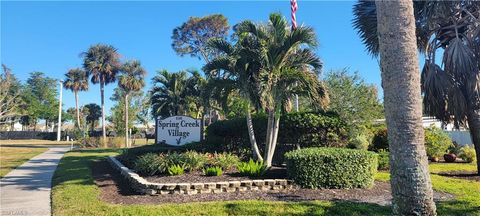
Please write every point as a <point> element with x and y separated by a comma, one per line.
<point>307,129</point>
<point>332,167</point>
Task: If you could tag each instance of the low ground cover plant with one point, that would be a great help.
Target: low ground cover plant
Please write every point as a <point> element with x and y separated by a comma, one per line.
<point>252,168</point>
<point>161,163</point>
<point>224,160</point>
<point>213,171</point>
<point>332,167</point>
<point>176,169</point>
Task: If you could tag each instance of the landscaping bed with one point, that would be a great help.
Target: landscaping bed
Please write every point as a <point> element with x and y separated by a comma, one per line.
<point>230,175</point>
<point>115,189</point>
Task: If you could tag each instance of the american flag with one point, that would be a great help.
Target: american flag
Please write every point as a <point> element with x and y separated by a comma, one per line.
<point>293,6</point>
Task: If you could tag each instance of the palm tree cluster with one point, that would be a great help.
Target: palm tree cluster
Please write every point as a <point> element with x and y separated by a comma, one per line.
<point>101,63</point>
<point>176,93</point>
<point>451,90</point>
<point>267,64</point>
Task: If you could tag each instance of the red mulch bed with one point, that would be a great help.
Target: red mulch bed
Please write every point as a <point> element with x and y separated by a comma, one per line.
<point>114,189</point>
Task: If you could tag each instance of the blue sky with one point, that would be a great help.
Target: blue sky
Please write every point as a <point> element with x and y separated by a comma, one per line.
<point>49,36</point>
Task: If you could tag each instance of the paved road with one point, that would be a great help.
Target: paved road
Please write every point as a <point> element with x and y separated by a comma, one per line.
<point>26,189</point>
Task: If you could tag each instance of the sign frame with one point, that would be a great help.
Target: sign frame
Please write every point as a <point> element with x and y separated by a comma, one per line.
<point>157,138</point>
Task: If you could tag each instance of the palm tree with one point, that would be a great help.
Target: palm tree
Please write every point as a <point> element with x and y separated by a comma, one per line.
<point>131,80</point>
<point>451,90</point>
<point>287,66</point>
<point>102,62</point>
<point>411,185</point>
<point>234,69</point>
<point>169,94</point>
<point>76,80</point>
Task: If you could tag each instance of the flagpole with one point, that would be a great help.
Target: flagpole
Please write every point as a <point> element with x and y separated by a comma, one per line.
<point>294,7</point>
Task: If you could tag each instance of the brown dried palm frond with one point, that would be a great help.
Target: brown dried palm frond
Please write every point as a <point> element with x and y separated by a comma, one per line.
<point>435,85</point>
<point>459,60</point>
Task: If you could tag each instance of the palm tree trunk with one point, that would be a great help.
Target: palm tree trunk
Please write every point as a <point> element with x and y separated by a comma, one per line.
<point>269,148</point>
<point>251,135</point>
<point>127,144</point>
<point>268,137</point>
<point>273,144</point>
<point>102,95</point>
<point>473,118</point>
<point>76,109</point>
<point>410,181</point>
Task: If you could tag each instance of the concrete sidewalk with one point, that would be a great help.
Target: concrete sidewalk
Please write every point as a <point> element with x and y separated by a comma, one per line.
<point>26,189</point>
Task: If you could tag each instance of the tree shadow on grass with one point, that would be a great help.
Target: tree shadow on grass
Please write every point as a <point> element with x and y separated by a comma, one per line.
<point>74,168</point>
<point>309,208</point>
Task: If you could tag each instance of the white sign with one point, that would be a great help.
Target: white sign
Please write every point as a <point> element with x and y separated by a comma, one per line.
<point>178,130</point>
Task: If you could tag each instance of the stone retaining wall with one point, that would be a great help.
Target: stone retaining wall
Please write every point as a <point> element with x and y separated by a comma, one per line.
<point>141,185</point>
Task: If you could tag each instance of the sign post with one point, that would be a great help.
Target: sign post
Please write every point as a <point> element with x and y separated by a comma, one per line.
<point>177,130</point>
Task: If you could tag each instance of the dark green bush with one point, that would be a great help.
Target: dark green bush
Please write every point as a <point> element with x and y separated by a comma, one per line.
<point>305,129</point>
<point>383,160</point>
<point>252,168</point>
<point>176,169</point>
<point>332,167</point>
<point>213,171</point>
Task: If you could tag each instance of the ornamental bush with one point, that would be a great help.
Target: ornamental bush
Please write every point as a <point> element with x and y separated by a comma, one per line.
<point>332,167</point>
<point>467,153</point>
<point>437,142</point>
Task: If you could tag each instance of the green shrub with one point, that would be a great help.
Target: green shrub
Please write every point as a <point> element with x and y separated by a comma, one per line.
<point>332,167</point>
<point>147,164</point>
<point>224,160</point>
<point>437,142</point>
<point>306,128</point>
<point>383,160</point>
<point>252,168</point>
<point>194,160</point>
<point>129,156</point>
<point>213,171</point>
<point>360,141</point>
<point>380,140</point>
<point>467,153</point>
<point>176,169</point>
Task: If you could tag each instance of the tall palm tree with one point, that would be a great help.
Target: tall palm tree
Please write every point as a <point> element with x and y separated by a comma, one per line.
<point>410,180</point>
<point>169,94</point>
<point>451,90</point>
<point>288,66</point>
<point>131,80</point>
<point>102,62</point>
<point>76,80</point>
<point>235,69</point>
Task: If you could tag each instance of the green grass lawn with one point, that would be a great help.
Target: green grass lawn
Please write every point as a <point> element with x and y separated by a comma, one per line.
<point>12,157</point>
<point>75,193</point>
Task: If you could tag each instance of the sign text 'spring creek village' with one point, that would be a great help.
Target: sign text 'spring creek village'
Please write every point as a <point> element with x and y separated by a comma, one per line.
<point>178,130</point>
<point>177,125</point>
